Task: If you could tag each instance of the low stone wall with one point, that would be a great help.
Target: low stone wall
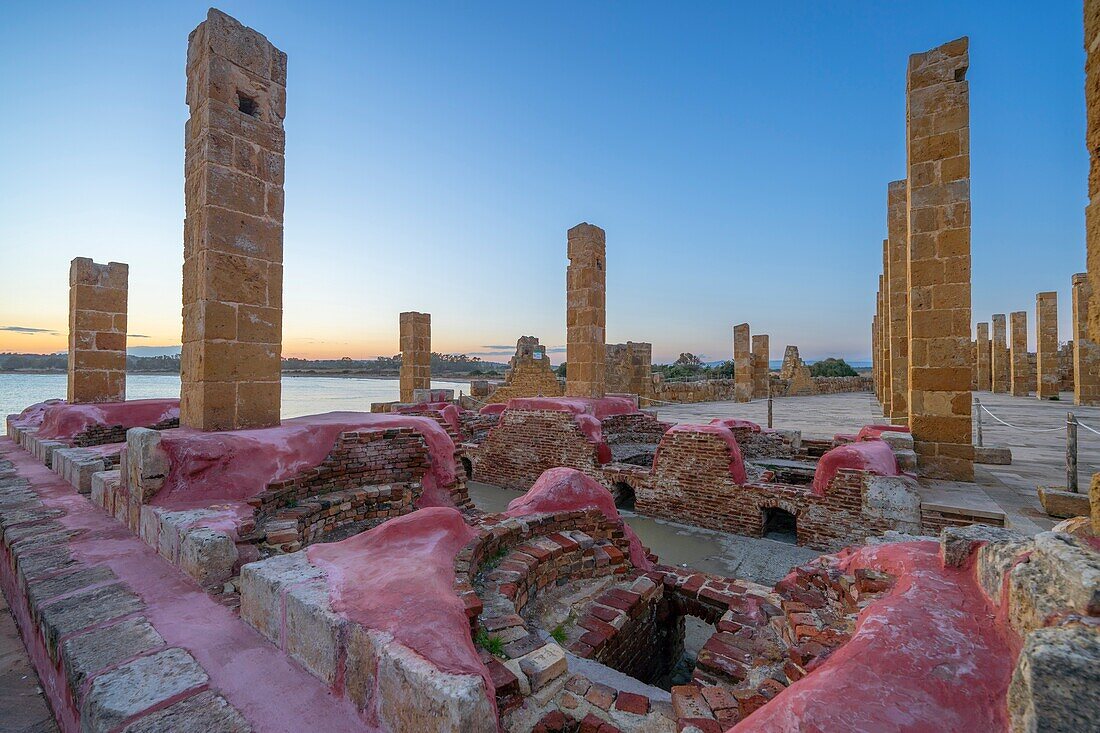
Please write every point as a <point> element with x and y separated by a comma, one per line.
<point>712,390</point>
<point>103,434</point>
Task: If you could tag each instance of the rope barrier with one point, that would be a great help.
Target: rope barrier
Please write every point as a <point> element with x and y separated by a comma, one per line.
<point>1017,427</point>
<point>1086,427</point>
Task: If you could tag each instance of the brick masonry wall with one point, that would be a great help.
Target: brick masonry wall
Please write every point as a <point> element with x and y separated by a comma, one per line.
<point>104,434</point>
<point>527,442</point>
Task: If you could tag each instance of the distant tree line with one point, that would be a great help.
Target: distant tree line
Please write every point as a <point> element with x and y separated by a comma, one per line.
<point>384,365</point>
<point>832,368</point>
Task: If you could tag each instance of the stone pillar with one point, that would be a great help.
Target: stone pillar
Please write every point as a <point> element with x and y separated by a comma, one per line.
<point>884,332</point>
<point>761,369</point>
<point>1092,145</point>
<point>876,356</point>
<point>97,331</point>
<point>1019,373</point>
<point>742,363</point>
<point>585,312</point>
<point>416,353</point>
<point>1086,352</point>
<point>982,373</point>
<point>999,362</point>
<point>233,234</point>
<point>897,226</point>
<point>941,367</point>
<point>1047,380</point>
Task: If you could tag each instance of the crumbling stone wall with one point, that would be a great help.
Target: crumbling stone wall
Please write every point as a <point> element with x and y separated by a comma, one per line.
<point>797,375</point>
<point>586,280</point>
<point>938,181</point>
<point>97,331</point>
<point>106,434</point>
<point>416,353</point>
<point>630,369</point>
<point>1046,361</point>
<point>233,234</point>
<point>983,356</point>
<point>529,374</point>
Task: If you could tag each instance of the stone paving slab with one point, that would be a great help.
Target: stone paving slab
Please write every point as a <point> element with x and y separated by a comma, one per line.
<point>23,707</point>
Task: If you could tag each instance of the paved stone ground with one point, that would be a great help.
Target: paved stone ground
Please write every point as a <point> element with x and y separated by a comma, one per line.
<point>23,708</point>
<point>1038,458</point>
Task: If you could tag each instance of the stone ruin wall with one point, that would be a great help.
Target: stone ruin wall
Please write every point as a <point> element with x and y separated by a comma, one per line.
<point>630,369</point>
<point>530,374</point>
<point>97,331</point>
<point>416,354</point>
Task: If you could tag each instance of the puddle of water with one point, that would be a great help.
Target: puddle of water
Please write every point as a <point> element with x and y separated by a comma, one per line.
<point>761,560</point>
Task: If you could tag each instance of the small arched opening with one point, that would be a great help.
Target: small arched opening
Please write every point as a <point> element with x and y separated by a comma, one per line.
<point>780,525</point>
<point>468,468</point>
<point>624,495</point>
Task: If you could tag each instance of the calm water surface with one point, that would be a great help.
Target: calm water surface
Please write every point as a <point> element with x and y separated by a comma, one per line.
<point>301,395</point>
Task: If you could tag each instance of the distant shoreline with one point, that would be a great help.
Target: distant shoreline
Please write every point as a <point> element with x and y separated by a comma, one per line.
<point>343,375</point>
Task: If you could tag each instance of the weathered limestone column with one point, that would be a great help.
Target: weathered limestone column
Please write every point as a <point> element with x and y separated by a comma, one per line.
<point>761,369</point>
<point>983,375</point>
<point>1047,380</point>
<point>1019,372</point>
<point>941,368</point>
<point>233,234</point>
<point>1086,352</point>
<point>999,359</point>
<point>876,354</point>
<point>1092,144</point>
<point>884,331</point>
<point>585,312</point>
<point>416,353</point>
<point>742,363</point>
<point>97,331</point>
<point>897,227</point>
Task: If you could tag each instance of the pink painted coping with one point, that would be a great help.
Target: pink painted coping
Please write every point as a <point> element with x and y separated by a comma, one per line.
<point>273,692</point>
<point>870,432</point>
<point>232,466</point>
<point>567,489</point>
<point>929,656</point>
<point>736,422</point>
<point>447,410</point>
<point>494,409</point>
<point>587,412</point>
<point>737,461</point>
<point>32,416</point>
<point>62,422</point>
<point>869,455</point>
<point>399,578</point>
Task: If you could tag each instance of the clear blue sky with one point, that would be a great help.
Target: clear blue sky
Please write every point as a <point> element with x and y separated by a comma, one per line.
<point>737,155</point>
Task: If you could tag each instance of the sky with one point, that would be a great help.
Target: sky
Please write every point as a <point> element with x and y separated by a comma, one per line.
<point>737,155</point>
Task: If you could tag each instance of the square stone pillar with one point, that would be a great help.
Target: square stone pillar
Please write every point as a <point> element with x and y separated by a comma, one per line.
<point>941,367</point>
<point>982,372</point>
<point>1047,380</point>
<point>884,331</point>
<point>97,331</point>
<point>586,318</point>
<point>416,353</point>
<point>1019,366</point>
<point>999,359</point>
<point>1086,352</point>
<point>897,275</point>
<point>761,369</point>
<point>742,363</point>
<point>876,354</point>
<point>233,233</point>
<point>1092,145</point>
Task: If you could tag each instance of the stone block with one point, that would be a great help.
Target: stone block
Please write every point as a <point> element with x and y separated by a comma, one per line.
<point>207,712</point>
<point>84,610</point>
<point>543,665</point>
<point>1056,683</point>
<point>992,456</point>
<point>145,683</point>
<point>957,544</point>
<point>85,655</point>
<point>1061,503</point>
<point>207,555</point>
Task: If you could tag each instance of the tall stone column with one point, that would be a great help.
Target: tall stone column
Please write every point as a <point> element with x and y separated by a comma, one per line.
<point>761,369</point>
<point>982,373</point>
<point>884,330</point>
<point>876,354</point>
<point>1019,367</point>
<point>1047,380</point>
<point>97,331</point>
<point>233,234</point>
<point>897,227</point>
<point>999,359</point>
<point>941,368</point>
<point>1086,352</point>
<point>416,353</point>
<point>742,363</point>
<point>586,317</point>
